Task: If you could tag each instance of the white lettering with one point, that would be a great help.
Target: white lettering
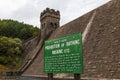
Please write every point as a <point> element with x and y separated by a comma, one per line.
<point>59,51</point>
<point>52,46</point>
<point>75,42</point>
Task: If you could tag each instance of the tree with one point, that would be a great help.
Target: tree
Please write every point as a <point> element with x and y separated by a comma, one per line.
<point>10,51</point>
<point>15,29</point>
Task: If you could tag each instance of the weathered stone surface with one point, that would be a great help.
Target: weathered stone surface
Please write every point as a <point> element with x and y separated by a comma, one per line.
<point>101,51</point>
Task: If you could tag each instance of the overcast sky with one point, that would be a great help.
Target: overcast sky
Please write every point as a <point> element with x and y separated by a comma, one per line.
<point>28,11</point>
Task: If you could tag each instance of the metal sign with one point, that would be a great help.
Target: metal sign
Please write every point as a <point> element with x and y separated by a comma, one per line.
<point>64,55</point>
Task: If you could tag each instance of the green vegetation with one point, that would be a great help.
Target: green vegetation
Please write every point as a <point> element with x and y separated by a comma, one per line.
<point>10,52</point>
<point>12,33</point>
<point>15,29</point>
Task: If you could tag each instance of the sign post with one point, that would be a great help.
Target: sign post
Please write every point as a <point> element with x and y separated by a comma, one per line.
<point>50,76</point>
<point>76,76</point>
<point>64,55</point>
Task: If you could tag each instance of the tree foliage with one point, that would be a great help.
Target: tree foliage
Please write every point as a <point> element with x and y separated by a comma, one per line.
<point>10,51</point>
<point>15,29</point>
<point>12,33</point>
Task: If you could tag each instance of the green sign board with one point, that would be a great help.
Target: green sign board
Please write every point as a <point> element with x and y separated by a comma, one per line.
<point>63,55</point>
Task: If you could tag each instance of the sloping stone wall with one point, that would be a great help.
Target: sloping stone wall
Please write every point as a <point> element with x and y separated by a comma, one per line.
<point>101,51</point>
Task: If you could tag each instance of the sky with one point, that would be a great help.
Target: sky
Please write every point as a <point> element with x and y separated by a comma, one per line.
<point>28,11</point>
